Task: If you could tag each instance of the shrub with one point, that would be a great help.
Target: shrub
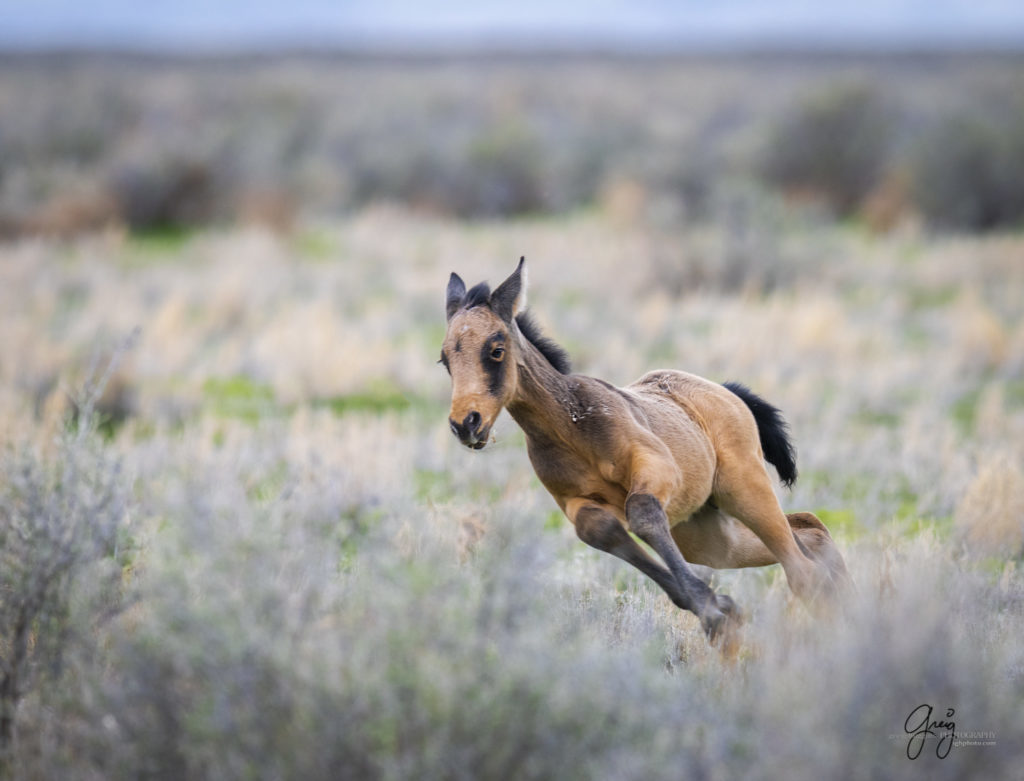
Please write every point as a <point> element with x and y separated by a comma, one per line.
<point>503,174</point>
<point>969,170</point>
<point>832,147</point>
<point>170,193</point>
<point>59,577</point>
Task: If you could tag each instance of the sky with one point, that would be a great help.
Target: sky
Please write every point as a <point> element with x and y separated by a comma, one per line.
<point>636,24</point>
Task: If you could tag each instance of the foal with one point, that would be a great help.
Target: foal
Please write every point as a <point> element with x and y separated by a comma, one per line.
<point>674,458</point>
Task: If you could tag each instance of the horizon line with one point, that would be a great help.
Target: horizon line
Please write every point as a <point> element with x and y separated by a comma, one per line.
<point>499,45</point>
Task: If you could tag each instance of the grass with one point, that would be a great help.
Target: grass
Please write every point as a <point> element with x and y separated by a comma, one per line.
<point>304,576</point>
<point>379,397</point>
<point>842,523</point>
<point>239,397</point>
<point>158,243</point>
<point>316,245</point>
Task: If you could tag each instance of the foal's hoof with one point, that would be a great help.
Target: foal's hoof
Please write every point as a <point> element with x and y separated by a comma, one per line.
<point>830,592</point>
<point>728,606</point>
<point>722,623</point>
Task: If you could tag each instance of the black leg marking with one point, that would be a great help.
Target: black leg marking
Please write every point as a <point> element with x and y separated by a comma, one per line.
<point>599,529</point>
<point>648,521</point>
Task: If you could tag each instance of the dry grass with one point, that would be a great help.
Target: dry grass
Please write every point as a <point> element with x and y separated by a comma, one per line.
<point>990,517</point>
<point>317,581</point>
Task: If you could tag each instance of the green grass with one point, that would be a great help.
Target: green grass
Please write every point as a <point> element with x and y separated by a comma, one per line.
<point>238,397</point>
<point>840,522</point>
<point>431,484</point>
<point>965,410</point>
<point>158,243</point>
<point>877,417</point>
<point>941,527</point>
<point>555,520</point>
<point>316,245</point>
<point>919,298</point>
<point>380,396</point>
<point>242,398</point>
<point>1013,392</point>
<point>268,487</point>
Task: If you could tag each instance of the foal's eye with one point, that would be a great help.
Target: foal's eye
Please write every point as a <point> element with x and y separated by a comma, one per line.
<point>497,353</point>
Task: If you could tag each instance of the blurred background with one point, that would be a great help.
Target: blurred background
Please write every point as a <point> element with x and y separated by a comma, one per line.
<point>170,117</point>
<point>237,539</point>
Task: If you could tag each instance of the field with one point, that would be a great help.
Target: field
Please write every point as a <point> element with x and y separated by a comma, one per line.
<point>239,541</point>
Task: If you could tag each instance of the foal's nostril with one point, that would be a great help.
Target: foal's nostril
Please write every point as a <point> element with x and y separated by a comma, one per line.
<point>472,422</point>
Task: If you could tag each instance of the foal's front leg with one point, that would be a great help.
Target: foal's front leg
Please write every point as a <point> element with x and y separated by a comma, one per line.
<point>598,527</point>
<point>648,521</point>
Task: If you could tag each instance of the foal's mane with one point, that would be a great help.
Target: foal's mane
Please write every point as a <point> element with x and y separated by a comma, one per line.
<point>556,356</point>
<point>480,295</point>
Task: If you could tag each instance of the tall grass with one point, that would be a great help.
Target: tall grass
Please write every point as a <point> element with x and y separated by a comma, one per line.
<point>275,579</point>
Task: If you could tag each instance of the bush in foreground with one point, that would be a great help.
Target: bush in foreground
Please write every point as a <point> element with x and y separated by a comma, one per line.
<point>288,620</point>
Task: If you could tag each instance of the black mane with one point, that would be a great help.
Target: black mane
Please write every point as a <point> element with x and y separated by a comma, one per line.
<point>555,355</point>
<point>478,295</point>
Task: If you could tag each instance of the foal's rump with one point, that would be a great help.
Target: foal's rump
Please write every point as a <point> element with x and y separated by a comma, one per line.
<point>722,417</point>
<point>707,403</point>
<point>740,426</point>
<point>734,417</point>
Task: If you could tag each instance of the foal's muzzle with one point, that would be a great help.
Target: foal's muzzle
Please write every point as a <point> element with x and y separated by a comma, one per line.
<point>471,432</point>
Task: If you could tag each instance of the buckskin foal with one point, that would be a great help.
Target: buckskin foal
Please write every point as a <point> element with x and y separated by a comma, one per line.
<point>674,458</point>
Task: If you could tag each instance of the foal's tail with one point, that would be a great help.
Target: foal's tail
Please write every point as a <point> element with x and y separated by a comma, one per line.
<point>773,431</point>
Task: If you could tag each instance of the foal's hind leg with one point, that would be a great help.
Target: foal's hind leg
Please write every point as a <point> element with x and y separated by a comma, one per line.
<point>814,539</point>
<point>714,539</point>
<point>597,526</point>
<point>743,490</point>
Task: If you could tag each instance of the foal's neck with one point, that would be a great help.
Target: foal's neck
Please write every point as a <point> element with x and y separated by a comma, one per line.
<point>543,399</point>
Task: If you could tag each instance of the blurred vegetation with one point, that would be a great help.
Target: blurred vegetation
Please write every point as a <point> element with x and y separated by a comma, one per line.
<point>833,146</point>
<point>240,611</point>
<point>970,168</point>
<point>255,551</point>
<point>276,562</point>
<point>62,552</point>
<point>157,144</point>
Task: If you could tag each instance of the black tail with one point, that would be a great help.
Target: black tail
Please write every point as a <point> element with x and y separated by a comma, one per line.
<point>773,430</point>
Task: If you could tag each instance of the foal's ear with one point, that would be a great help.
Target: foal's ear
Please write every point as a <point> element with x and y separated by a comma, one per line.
<point>510,297</point>
<point>456,292</point>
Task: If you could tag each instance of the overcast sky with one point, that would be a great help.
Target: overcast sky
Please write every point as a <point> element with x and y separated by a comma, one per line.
<point>627,23</point>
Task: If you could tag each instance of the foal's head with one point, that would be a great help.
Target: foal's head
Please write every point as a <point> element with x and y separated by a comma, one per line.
<point>479,352</point>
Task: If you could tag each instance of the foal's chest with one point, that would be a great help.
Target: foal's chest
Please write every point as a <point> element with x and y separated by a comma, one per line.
<point>566,475</point>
